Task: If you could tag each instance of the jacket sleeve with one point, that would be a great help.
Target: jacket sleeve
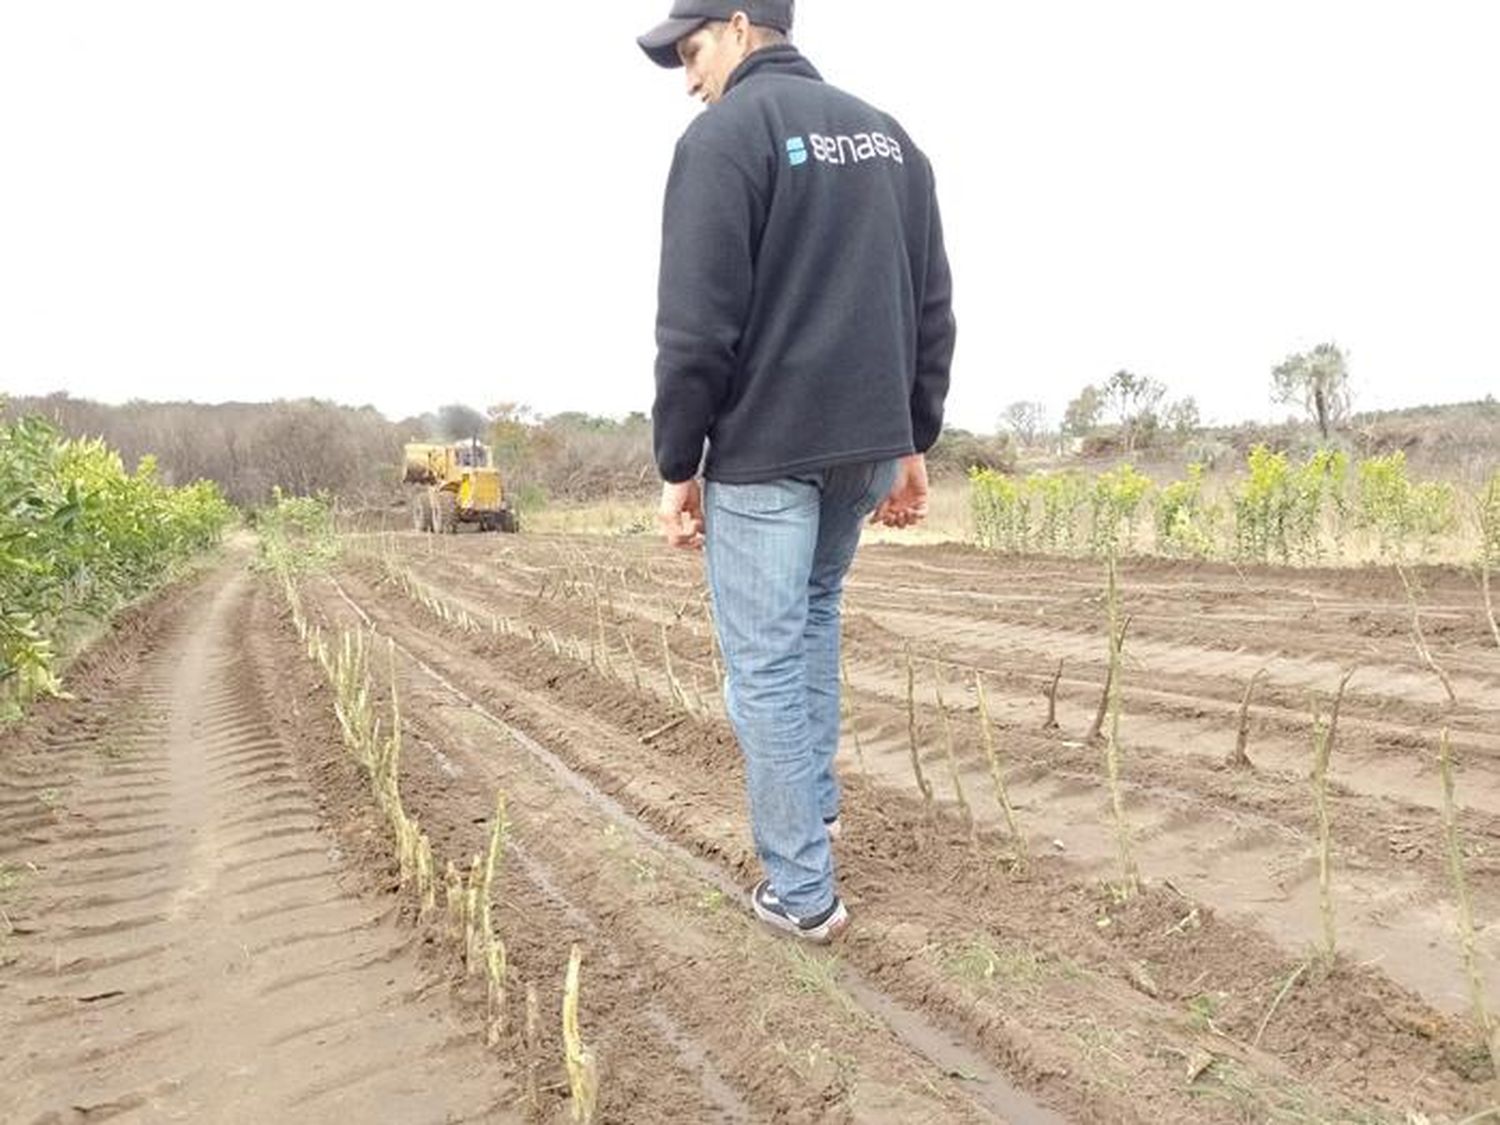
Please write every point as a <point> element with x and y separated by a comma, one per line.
<point>711,225</point>
<point>936,333</point>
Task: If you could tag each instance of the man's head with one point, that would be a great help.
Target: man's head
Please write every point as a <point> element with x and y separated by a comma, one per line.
<point>708,39</point>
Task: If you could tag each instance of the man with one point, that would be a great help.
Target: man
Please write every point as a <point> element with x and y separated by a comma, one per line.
<point>804,333</point>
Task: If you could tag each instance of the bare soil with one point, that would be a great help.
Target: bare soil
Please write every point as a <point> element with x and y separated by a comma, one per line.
<point>202,919</point>
<point>185,939</point>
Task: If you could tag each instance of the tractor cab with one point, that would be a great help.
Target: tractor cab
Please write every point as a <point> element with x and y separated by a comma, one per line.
<point>473,455</point>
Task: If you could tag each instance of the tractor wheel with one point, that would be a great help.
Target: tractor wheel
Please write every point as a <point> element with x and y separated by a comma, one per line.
<point>421,512</point>
<point>445,513</point>
<point>509,520</point>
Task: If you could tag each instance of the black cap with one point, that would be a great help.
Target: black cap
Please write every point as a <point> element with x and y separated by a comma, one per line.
<point>687,16</point>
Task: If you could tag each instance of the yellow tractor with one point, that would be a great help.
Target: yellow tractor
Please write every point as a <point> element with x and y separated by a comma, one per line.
<point>459,485</point>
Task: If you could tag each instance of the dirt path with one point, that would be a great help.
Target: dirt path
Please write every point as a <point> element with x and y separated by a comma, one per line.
<point>185,940</point>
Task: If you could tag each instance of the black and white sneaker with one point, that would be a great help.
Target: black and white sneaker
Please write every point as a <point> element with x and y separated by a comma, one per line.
<point>820,928</point>
<point>834,829</point>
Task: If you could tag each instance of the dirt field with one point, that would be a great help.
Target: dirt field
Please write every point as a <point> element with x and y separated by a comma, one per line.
<point>200,920</point>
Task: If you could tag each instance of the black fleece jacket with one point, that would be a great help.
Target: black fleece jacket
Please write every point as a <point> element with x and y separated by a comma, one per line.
<point>804,315</point>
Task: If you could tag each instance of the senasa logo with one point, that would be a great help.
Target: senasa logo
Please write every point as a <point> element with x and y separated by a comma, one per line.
<point>796,151</point>
<point>853,150</point>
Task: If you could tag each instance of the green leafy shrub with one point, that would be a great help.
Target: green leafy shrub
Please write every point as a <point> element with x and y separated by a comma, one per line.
<point>297,532</point>
<point>1489,521</point>
<point>78,537</point>
<point>1115,504</point>
<point>1001,509</point>
<point>1062,498</point>
<point>1185,524</point>
<point>1400,510</point>
<point>1044,512</point>
<point>1259,503</point>
<point>1282,510</point>
<point>1318,498</point>
<point>1035,513</point>
<point>1279,510</point>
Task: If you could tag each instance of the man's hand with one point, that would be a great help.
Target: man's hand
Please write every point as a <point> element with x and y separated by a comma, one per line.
<point>906,503</point>
<point>681,514</point>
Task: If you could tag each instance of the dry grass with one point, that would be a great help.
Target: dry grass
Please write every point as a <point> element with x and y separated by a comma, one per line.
<point>948,519</point>
<point>600,517</point>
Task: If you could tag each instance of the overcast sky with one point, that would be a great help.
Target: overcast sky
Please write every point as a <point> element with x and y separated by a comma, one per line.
<point>412,204</point>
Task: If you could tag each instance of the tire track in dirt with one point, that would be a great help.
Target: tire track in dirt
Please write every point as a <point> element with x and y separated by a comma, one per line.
<point>183,914</point>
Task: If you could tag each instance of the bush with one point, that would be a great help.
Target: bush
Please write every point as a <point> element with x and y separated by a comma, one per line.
<point>1489,521</point>
<point>528,497</point>
<point>1280,509</point>
<point>1185,525</point>
<point>959,451</point>
<point>1042,512</point>
<point>1283,510</point>
<point>1398,509</point>
<point>1063,497</point>
<point>78,537</point>
<point>1002,511</point>
<point>1115,503</point>
<point>297,532</point>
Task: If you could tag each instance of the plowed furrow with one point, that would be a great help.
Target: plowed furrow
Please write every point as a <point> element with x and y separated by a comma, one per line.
<point>557,811</point>
<point>1240,841</point>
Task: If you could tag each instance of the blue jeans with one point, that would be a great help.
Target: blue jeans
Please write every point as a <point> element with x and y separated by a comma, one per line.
<point>777,553</point>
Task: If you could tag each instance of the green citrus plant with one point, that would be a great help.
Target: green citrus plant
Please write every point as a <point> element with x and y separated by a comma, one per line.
<point>79,537</point>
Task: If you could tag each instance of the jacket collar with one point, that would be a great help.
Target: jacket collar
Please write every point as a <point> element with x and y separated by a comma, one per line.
<point>781,58</point>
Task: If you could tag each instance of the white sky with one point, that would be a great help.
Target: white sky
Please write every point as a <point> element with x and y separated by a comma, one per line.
<point>413,204</point>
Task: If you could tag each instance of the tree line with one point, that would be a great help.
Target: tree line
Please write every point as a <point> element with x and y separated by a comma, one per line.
<point>248,449</point>
<point>309,446</point>
<point>1128,412</point>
